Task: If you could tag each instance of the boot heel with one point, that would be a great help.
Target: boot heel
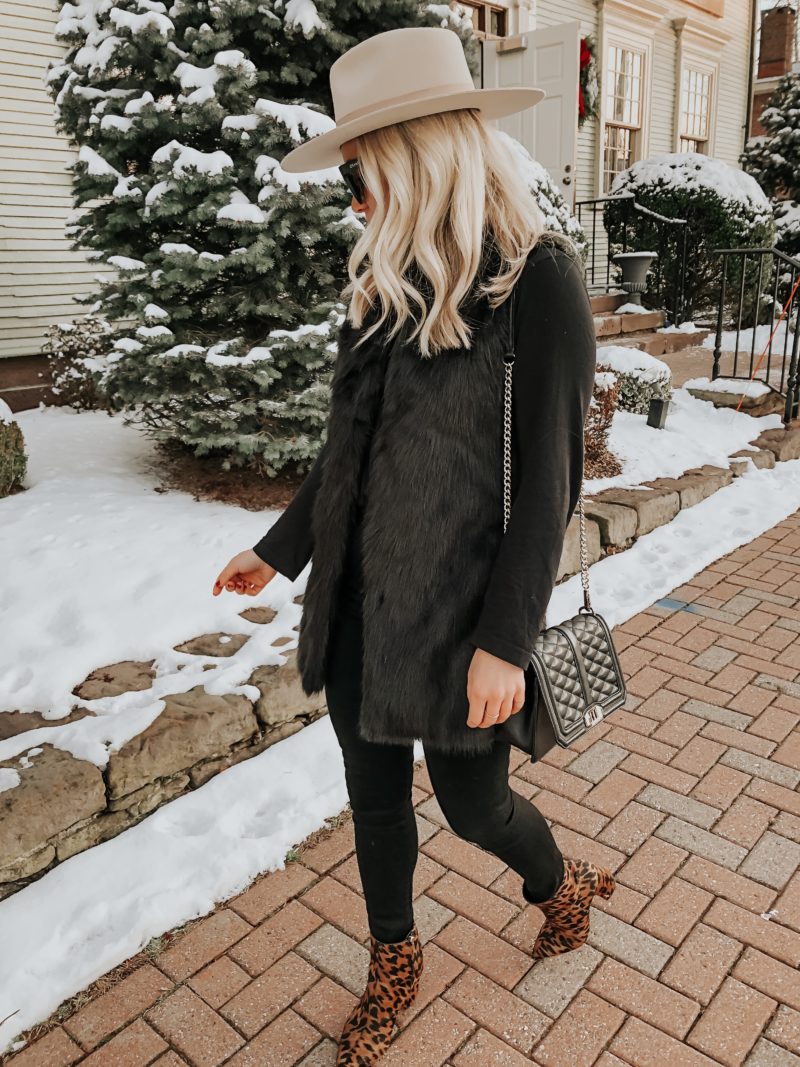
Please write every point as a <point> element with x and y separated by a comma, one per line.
<point>606,883</point>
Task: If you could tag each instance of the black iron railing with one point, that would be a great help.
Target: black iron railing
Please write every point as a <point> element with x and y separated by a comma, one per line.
<point>619,215</point>
<point>755,284</point>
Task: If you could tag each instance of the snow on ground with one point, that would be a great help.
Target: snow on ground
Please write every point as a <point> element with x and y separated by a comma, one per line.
<point>100,907</point>
<point>747,347</point>
<point>8,778</point>
<point>103,568</point>
<point>695,433</point>
<point>745,340</point>
<point>106,568</point>
<point>683,327</point>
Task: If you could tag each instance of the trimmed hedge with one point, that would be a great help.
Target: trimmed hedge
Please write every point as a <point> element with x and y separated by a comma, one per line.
<point>724,208</point>
<point>640,376</point>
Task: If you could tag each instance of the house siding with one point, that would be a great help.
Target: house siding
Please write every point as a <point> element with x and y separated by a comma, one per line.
<point>731,107</point>
<point>664,91</point>
<point>40,272</point>
<point>732,102</point>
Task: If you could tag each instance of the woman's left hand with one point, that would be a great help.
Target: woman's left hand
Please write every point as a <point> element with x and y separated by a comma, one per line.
<point>495,689</point>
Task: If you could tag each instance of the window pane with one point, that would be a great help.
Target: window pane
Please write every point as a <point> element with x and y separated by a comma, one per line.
<point>695,105</point>
<point>618,152</point>
<point>623,86</point>
<point>497,22</point>
<point>686,144</point>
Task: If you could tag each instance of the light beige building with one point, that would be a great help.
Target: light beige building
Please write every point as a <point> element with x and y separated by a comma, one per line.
<point>674,74</point>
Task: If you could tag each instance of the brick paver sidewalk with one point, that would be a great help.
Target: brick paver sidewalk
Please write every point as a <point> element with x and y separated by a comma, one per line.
<point>689,795</point>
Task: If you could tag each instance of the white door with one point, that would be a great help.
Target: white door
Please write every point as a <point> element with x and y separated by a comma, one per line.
<point>548,59</point>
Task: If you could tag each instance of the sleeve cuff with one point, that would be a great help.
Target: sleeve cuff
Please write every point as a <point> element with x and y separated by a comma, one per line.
<point>268,555</point>
<point>511,653</point>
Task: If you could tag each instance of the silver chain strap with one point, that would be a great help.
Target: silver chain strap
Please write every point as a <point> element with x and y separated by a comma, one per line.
<point>508,360</point>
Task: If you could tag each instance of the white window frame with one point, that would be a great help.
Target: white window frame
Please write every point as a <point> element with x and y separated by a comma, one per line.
<point>699,48</point>
<point>618,36</point>
<point>627,24</point>
<point>638,135</point>
<point>711,72</point>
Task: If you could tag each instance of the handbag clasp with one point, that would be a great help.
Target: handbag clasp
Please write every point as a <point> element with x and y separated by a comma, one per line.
<point>593,715</point>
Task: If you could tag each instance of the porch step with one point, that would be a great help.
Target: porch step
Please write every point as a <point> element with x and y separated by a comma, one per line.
<point>606,302</point>
<point>658,344</point>
<point>628,322</point>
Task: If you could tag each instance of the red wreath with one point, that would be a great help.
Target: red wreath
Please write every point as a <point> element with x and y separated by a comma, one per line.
<point>586,58</point>
<point>587,83</point>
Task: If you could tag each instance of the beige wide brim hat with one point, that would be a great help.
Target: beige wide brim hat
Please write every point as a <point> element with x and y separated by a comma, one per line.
<point>398,75</point>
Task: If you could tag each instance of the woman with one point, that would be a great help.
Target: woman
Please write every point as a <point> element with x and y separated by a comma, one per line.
<point>419,613</point>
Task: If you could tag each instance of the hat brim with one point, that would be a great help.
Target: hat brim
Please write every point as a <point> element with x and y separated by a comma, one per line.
<point>323,151</point>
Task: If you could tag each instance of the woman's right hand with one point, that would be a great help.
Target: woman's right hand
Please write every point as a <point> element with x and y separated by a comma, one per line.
<point>246,573</point>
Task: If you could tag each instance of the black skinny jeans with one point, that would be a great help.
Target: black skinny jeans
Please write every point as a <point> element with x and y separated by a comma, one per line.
<point>473,792</point>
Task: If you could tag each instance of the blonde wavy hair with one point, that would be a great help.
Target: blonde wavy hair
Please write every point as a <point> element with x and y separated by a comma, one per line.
<point>442,184</point>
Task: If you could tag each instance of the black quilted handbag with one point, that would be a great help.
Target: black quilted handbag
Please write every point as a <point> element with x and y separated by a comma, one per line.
<point>574,679</point>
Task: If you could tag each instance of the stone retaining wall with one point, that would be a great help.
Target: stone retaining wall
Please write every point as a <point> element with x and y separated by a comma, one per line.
<point>64,805</point>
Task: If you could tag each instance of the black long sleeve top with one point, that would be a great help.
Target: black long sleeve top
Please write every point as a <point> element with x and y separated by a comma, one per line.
<point>552,386</point>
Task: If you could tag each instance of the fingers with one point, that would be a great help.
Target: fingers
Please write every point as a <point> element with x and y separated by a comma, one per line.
<point>477,706</point>
<point>495,690</point>
<point>506,708</point>
<point>512,704</point>
<point>243,586</point>
<point>492,713</point>
<point>224,576</point>
<point>235,582</point>
<point>485,712</point>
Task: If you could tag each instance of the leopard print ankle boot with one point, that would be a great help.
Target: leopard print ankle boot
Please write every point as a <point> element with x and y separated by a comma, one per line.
<point>566,925</point>
<point>392,985</point>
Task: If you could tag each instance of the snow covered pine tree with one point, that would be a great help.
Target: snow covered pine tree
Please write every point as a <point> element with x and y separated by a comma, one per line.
<point>227,270</point>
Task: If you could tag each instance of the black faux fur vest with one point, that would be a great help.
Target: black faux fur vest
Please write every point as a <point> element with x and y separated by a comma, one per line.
<point>431,528</point>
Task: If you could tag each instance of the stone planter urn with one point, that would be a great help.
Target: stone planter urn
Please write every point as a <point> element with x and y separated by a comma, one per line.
<point>634,266</point>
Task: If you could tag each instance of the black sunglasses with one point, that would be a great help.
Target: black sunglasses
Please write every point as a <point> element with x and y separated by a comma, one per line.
<point>354,179</point>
